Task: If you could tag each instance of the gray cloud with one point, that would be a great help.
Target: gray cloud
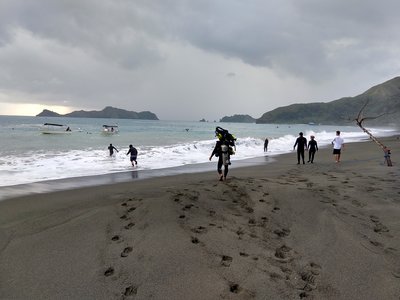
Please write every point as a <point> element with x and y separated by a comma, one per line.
<point>159,55</point>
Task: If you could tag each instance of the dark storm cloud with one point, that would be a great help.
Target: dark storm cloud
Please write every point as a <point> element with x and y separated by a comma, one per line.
<point>97,50</point>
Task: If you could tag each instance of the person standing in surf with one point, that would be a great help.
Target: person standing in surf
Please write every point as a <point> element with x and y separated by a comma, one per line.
<point>266,145</point>
<point>111,148</point>
<point>133,152</point>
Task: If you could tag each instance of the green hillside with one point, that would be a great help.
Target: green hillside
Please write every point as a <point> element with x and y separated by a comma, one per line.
<point>383,98</point>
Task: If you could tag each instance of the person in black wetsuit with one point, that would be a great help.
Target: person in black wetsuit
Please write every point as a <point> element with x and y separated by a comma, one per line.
<point>132,150</point>
<point>218,153</point>
<point>312,148</point>
<point>301,143</point>
<point>266,145</point>
<point>111,148</point>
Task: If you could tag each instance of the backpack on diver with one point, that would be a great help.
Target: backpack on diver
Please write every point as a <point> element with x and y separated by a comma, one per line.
<point>226,138</point>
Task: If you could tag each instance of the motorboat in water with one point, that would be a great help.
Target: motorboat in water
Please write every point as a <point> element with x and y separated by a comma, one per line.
<point>110,129</point>
<point>53,128</point>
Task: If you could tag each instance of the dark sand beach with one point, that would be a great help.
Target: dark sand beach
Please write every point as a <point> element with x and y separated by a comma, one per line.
<point>277,231</point>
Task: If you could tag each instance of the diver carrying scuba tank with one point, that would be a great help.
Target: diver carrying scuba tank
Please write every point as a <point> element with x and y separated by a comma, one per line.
<point>224,148</point>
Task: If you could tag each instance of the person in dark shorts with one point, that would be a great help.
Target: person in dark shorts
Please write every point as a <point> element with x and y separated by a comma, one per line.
<point>312,148</point>
<point>133,152</point>
<point>301,143</point>
<point>111,148</point>
<point>338,145</point>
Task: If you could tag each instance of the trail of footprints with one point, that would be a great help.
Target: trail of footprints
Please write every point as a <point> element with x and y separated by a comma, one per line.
<point>391,255</point>
<point>225,208</point>
<point>126,209</point>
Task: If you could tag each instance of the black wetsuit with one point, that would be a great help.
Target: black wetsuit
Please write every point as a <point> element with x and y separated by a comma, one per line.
<point>133,152</point>
<point>266,145</point>
<point>301,143</point>
<point>218,152</point>
<point>111,148</point>
<point>312,148</point>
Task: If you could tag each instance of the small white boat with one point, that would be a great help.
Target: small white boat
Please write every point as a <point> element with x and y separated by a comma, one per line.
<point>110,129</point>
<point>52,128</point>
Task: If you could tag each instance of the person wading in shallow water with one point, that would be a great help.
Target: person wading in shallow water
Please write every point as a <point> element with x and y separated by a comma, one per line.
<point>301,143</point>
<point>266,145</point>
<point>111,148</point>
<point>133,152</point>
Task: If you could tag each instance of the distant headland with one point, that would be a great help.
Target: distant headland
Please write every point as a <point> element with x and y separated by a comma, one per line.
<point>238,119</point>
<point>108,112</point>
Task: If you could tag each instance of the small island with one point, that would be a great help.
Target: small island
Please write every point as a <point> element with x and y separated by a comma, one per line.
<point>108,112</point>
<point>238,119</point>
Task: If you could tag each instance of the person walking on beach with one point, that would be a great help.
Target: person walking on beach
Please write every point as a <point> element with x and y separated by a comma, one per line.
<point>225,162</point>
<point>301,143</point>
<point>223,149</point>
<point>133,152</point>
<point>338,145</point>
<point>111,148</point>
<point>312,148</point>
<point>266,145</point>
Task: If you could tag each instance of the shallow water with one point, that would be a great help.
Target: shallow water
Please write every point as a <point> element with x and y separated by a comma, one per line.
<point>28,156</point>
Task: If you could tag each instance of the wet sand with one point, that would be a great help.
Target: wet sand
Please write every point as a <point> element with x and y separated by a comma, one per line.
<point>277,231</point>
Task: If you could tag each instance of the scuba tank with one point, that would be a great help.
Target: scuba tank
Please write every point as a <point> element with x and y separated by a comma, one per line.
<point>225,155</point>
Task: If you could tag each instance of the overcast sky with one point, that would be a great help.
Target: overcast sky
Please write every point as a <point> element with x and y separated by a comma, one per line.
<point>192,59</point>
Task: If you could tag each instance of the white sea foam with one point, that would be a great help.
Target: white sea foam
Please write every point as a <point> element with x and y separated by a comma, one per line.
<point>48,158</point>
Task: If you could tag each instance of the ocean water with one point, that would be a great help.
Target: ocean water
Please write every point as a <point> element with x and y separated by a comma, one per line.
<point>28,156</point>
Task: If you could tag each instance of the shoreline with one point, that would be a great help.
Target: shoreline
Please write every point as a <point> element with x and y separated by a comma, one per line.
<point>63,184</point>
<point>276,231</point>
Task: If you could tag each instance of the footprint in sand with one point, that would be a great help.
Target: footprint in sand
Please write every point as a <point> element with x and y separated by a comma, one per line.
<point>282,232</point>
<point>252,222</point>
<point>234,288</point>
<point>199,229</point>
<point>109,272</point>
<point>129,225</point>
<point>195,240</point>
<point>379,227</point>
<point>309,277</point>
<point>126,251</point>
<point>187,207</point>
<point>240,232</point>
<point>130,290</point>
<point>131,209</point>
<point>226,260</point>
<point>115,238</point>
<point>283,253</point>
